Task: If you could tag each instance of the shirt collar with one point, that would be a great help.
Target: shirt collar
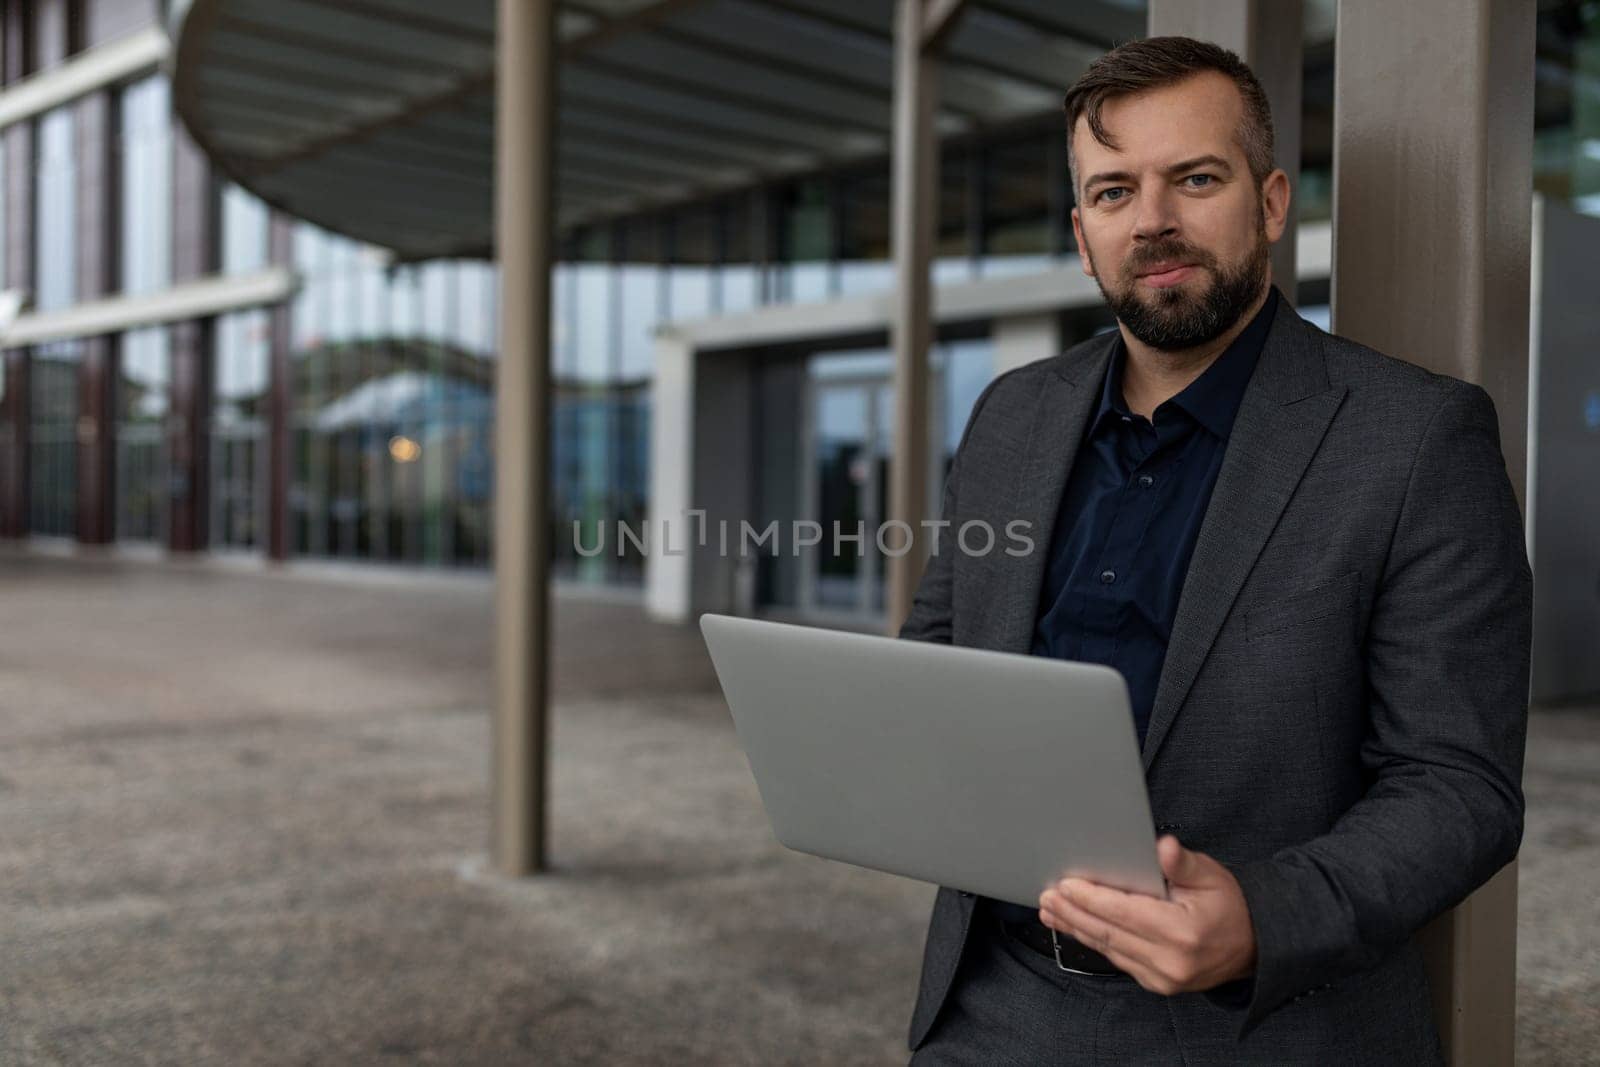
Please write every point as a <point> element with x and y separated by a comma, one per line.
<point>1212,399</point>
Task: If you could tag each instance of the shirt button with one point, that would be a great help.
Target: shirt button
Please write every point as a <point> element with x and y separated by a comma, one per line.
<point>1108,577</point>
<point>1146,481</point>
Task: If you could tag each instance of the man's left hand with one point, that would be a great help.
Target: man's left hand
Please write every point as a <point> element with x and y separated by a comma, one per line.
<point>1196,939</point>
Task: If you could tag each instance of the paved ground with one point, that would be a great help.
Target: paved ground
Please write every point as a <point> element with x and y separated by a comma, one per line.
<point>244,814</point>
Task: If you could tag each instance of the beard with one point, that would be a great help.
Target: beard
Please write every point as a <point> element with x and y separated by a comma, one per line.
<point>1174,319</point>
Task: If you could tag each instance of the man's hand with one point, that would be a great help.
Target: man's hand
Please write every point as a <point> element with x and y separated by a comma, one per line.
<point>1197,939</point>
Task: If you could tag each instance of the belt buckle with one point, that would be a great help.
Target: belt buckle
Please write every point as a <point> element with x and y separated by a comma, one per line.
<point>1055,943</point>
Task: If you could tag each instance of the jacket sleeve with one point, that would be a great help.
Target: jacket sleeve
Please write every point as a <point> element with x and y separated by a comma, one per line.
<point>932,609</point>
<point>1447,658</point>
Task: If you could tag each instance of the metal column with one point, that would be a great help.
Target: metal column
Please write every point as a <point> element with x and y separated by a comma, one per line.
<point>524,151</point>
<point>920,25</point>
<point>1268,36</point>
<point>1433,142</point>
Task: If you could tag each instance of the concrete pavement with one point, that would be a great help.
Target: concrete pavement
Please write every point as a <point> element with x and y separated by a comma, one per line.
<point>245,812</point>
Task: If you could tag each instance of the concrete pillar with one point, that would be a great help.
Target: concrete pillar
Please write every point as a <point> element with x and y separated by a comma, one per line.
<point>1266,34</point>
<point>669,579</point>
<point>97,236</point>
<point>196,231</point>
<point>919,27</point>
<point>280,396</point>
<point>524,172</point>
<point>1433,139</point>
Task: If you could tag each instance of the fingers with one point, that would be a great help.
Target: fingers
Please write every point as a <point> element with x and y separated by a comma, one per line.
<point>1154,967</point>
<point>1095,931</point>
<point>1147,917</point>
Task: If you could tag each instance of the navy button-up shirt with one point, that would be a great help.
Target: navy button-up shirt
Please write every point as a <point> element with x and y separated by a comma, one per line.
<point>1130,514</point>
<point>1128,521</point>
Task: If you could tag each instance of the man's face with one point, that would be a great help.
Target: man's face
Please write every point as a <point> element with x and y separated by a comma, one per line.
<point>1172,225</point>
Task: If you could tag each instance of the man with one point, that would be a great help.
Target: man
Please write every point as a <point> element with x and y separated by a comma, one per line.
<point>1307,561</point>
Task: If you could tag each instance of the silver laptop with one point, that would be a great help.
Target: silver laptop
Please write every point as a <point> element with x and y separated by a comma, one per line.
<point>985,771</point>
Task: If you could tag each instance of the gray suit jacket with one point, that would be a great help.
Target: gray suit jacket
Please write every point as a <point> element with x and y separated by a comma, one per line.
<point>1341,714</point>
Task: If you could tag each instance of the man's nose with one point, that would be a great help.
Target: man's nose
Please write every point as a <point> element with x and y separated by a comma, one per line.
<point>1156,216</point>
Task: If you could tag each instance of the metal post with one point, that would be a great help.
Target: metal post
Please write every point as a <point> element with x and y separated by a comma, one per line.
<point>1433,142</point>
<point>1268,36</point>
<point>919,26</point>
<point>524,151</point>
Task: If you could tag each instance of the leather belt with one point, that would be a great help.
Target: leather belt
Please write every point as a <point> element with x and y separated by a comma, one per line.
<point>1069,953</point>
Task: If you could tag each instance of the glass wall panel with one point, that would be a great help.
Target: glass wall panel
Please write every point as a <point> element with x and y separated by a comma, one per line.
<point>239,430</point>
<point>309,470</point>
<point>146,186</point>
<point>865,252</point>
<point>1017,229</point>
<point>144,378</point>
<point>952,249</point>
<point>1567,105</point>
<point>56,202</point>
<point>805,240</point>
<point>244,231</point>
<point>740,275</point>
<point>393,424</point>
<point>53,441</point>
<point>642,303</point>
<point>850,405</point>
<point>694,256</point>
<point>4,257</point>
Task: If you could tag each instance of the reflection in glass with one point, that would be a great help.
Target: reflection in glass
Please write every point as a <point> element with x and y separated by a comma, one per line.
<point>146,186</point>
<point>53,438</point>
<point>144,379</point>
<point>805,240</point>
<point>244,231</point>
<point>56,203</point>
<point>1017,227</point>
<point>850,407</point>
<point>239,430</point>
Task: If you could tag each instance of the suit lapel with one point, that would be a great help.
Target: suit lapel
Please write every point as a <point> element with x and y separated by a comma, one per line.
<point>1061,413</point>
<point>1282,418</point>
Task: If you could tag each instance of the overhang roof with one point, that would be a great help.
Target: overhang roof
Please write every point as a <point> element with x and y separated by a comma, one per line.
<point>375,118</point>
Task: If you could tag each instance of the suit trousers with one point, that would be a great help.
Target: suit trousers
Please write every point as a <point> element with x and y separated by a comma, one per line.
<point>1010,1005</point>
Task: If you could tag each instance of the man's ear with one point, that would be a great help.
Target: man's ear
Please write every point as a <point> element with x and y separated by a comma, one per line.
<point>1083,247</point>
<point>1275,198</point>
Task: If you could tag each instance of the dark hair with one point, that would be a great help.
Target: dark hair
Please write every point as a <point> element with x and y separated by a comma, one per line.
<point>1156,62</point>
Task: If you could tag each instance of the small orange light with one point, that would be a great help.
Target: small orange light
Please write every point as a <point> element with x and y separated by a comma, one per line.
<point>404,449</point>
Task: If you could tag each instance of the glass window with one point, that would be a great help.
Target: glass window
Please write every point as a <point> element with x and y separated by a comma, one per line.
<point>53,438</point>
<point>694,255</point>
<point>739,283</point>
<point>4,256</point>
<point>56,198</point>
<point>642,291</point>
<point>561,331</point>
<point>592,284</point>
<point>865,251</point>
<point>144,378</point>
<point>239,429</point>
<point>1017,230</point>
<point>244,231</point>
<point>805,239</point>
<point>952,250</point>
<point>1567,105</point>
<point>146,186</point>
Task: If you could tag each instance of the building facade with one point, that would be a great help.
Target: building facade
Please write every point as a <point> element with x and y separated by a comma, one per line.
<point>195,371</point>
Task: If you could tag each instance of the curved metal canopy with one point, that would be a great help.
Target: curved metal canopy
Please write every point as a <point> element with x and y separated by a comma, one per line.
<point>375,118</point>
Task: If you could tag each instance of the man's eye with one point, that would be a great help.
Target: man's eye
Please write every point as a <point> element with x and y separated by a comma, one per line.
<point>1107,194</point>
<point>1202,180</point>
